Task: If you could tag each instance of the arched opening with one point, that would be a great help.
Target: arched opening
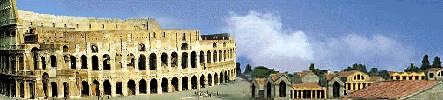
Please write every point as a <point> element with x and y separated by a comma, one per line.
<point>94,62</point>
<point>31,90</point>
<point>141,47</point>
<point>130,60</point>
<point>208,58</point>
<point>142,86</point>
<point>185,83</point>
<point>35,57</point>
<point>202,81</point>
<point>268,90</point>
<point>65,48</point>
<point>184,60</point>
<point>152,61</point>
<point>174,59</point>
<point>253,90</point>
<point>214,45</point>
<point>153,86</point>
<point>85,89</point>
<point>45,82</point>
<point>226,76</point>
<point>193,59</point>
<point>194,82</point>
<point>164,84</point>
<point>54,89</point>
<point>106,63</point>
<point>164,59</point>
<point>174,83</point>
<point>43,63</point>
<point>73,62</point>
<point>336,90</point>
<point>94,49</point>
<point>215,56</point>
<point>107,87</point>
<point>221,77</point>
<point>22,89</point>
<point>95,88</point>
<point>220,54</point>
<point>184,46</point>
<point>142,62</point>
<point>282,89</point>
<point>209,80</point>
<point>84,62</point>
<point>131,87</point>
<point>118,88</point>
<point>224,55</point>
<point>215,78</point>
<point>202,57</point>
<point>53,61</point>
<point>66,89</point>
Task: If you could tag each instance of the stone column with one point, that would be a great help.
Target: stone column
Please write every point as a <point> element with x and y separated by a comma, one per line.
<point>180,83</point>
<point>170,85</point>
<point>159,86</point>
<point>189,83</point>
<point>352,86</point>
<point>125,88</point>
<point>137,87</point>
<point>188,68</point>
<point>301,94</point>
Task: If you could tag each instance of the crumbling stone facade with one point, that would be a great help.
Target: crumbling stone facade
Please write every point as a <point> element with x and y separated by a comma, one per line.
<point>47,56</point>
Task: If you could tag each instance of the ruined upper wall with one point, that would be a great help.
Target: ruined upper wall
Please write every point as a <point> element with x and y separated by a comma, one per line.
<point>8,12</point>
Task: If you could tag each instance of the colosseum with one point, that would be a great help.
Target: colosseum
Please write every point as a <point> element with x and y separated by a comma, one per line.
<point>48,56</point>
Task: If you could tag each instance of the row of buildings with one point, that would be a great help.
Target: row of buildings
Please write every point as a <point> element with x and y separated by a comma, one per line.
<point>346,84</point>
<point>48,56</point>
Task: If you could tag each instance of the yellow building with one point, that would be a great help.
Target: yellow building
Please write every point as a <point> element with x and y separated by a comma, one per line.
<point>355,80</point>
<point>407,75</point>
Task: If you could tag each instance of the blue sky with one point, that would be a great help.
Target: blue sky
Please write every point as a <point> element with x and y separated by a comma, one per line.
<point>288,35</point>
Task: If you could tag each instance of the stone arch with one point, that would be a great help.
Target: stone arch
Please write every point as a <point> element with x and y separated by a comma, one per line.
<point>174,59</point>
<point>164,59</point>
<point>43,63</point>
<point>85,89</point>
<point>73,62</point>
<point>54,89</point>
<point>53,61</point>
<point>22,89</point>
<point>282,89</point>
<point>65,48</point>
<point>224,55</point>
<point>220,54</point>
<point>107,87</point>
<point>35,57</point>
<point>215,78</point>
<point>152,61</point>
<point>65,89</point>
<point>153,85</point>
<point>202,81</point>
<point>164,85</point>
<point>194,82</point>
<point>106,62</point>
<point>84,62</point>
<point>268,89</point>
<point>336,90</point>
<point>142,86</point>
<point>131,60</point>
<point>142,62</point>
<point>193,59</point>
<point>118,88</point>
<point>226,78</point>
<point>174,83</point>
<point>94,62</point>
<point>208,59</point>
<point>184,83</point>
<point>95,88</point>
<point>209,80</point>
<point>184,60</point>
<point>215,56</point>
<point>221,77</point>
<point>202,57</point>
<point>253,90</point>
<point>131,87</point>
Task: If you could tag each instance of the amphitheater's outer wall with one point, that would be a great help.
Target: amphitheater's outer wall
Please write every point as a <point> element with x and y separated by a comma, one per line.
<point>44,56</point>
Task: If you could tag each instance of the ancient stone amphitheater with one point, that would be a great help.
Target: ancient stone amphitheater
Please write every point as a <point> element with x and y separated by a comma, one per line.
<point>48,56</point>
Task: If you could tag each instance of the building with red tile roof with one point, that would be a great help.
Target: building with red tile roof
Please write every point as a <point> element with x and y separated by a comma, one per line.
<point>393,89</point>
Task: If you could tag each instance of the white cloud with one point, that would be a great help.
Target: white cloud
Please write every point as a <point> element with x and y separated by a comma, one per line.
<point>262,41</point>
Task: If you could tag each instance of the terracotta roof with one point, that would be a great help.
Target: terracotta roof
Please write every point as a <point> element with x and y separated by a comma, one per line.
<point>306,86</point>
<point>433,69</point>
<point>329,76</point>
<point>347,73</point>
<point>393,89</point>
<point>260,80</point>
<point>275,76</point>
<point>303,73</point>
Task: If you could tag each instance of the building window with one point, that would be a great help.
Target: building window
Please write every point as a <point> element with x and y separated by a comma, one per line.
<point>76,25</point>
<point>31,23</point>
<point>53,24</point>
<point>154,35</point>
<point>163,34</point>
<point>65,25</point>
<point>214,45</point>
<point>41,24</point>
<point>184,36</point>
<point>116,26</point>
<point>431,75</point>
<point>103,25</point>
<point>89,25</point>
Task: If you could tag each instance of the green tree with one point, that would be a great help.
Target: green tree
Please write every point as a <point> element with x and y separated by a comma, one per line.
<point>311,67</point>
<point>238,67</point>
<point>373,72</point>
<point>359,67</point>
<point>248,69</point>
<point>436,63</point>
<point>425,63</point>
<point>412,68</point>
